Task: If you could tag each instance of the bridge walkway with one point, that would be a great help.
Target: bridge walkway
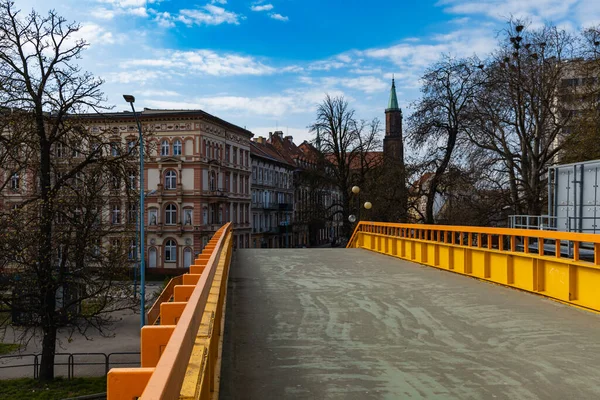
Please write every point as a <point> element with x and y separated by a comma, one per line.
<point>354,324</point>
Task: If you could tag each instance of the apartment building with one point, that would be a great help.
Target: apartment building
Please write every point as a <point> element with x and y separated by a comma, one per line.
<point>197,177</point>
<point>272,196</point>
<point>317,219</point>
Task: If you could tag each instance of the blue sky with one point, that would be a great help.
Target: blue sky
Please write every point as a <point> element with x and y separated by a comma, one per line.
<point>266,64</point>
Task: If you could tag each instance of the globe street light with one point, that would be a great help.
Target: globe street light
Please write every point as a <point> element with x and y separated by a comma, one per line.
<point>355,189</point>
<point>368,205</point>
<point>130,99</point>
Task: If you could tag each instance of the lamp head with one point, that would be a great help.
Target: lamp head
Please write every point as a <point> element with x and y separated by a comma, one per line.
<point>368,205</point>
<point>355,189</point>
<point>129,98</point>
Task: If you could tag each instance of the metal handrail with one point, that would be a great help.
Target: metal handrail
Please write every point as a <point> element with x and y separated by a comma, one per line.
<point>165,296</point>
<point>71,364</point>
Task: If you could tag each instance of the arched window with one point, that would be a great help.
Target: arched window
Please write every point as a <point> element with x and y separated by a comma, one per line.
<point>177,147</point>
<point>170,180</point>
<point>171,214</point>
<point>170,251</point>
<point>164,148</point>
<point>213,181</point>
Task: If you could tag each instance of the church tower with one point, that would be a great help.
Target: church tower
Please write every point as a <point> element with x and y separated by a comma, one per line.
<point>393,148</point>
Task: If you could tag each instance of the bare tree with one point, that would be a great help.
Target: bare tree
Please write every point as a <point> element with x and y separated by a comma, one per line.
<point>345,143</point>
<point>442,116</point>
<point>62,264</point>
<point>518,118</point>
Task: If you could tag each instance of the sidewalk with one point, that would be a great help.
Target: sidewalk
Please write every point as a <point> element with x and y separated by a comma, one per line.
<point>122,336</point>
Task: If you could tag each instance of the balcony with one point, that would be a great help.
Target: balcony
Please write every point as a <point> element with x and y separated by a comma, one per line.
<point>270,206</point>
<point>286,207</point>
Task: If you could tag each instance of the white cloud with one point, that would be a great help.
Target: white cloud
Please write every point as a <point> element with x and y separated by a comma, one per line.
<point>204,62</point>
<point>366,84</point>
<point>536,10</point>
<point>273,106</point>
<point>326,65</point>
<point>366,71</point>
<point>141,76</point>
<point>264,7</point>
<point>120,7</point>
<point>159,93</point>
<point>97,35</point>
<point>278,17</point>
<point>209,15</point>
<point>219,1</point>
<point>164,19</point>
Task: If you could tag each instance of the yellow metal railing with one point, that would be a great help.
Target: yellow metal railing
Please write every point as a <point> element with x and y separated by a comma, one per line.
<point>180,358</point>
<point>561,265</point>
<point>165,296</point>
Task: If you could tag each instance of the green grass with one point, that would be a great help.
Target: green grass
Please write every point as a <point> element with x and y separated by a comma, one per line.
<point>6,348</point>
<point>59,388</point>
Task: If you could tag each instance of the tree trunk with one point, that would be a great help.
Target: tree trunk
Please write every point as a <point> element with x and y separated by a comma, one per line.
<point>45,272</point>
<point>429,218</point>
<point>49,340</point>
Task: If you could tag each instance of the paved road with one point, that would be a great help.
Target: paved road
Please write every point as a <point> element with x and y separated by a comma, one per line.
<point>350,324</point>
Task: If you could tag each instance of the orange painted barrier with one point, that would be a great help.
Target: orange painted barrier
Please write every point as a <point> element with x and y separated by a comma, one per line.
<point>180,357</point>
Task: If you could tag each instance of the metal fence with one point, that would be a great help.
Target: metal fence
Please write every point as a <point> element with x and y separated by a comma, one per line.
<point>103,362</point>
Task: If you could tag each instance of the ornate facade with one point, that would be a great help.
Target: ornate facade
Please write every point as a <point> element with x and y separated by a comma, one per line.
<point>197,177</point>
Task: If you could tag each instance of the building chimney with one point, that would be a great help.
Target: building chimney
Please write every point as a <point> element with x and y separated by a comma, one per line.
<point>260,140</point>
<point>278,133</point>
<point>289,139</point>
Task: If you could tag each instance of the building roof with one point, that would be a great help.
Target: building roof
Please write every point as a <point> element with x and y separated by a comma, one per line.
<point>267,151</point>
<point>148,113</point>
<point>372,159</point>
<point>393,103</point>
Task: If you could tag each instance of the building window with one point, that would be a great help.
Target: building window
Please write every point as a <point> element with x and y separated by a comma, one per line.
<point>213,181</point>
<point>235,155</point>
<point>132,212</point>
<point>227,148</point>
<point>114,149</point>
<point>170,180</point>
<point>187,218</point>
<point>116,182</point>
<point>116,214</point>
<point>15,181</point>
<point>152,216</point>
<point>59,150</point>
<point>164,148</point>
<point>177,147</point>
<point>204,215</point>
<point>132,180</point>
<point>235,183</point>
<point>171,214</point>
<point>132,254</point>
<point>170,251</point>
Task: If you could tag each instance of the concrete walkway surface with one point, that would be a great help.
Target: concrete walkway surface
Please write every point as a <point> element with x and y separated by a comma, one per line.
<point>351,324</point>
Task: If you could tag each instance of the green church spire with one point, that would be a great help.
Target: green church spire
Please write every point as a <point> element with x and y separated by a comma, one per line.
<point>393,104</point>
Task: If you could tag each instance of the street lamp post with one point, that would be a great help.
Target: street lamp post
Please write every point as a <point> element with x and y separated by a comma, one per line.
<point>130,99</point>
